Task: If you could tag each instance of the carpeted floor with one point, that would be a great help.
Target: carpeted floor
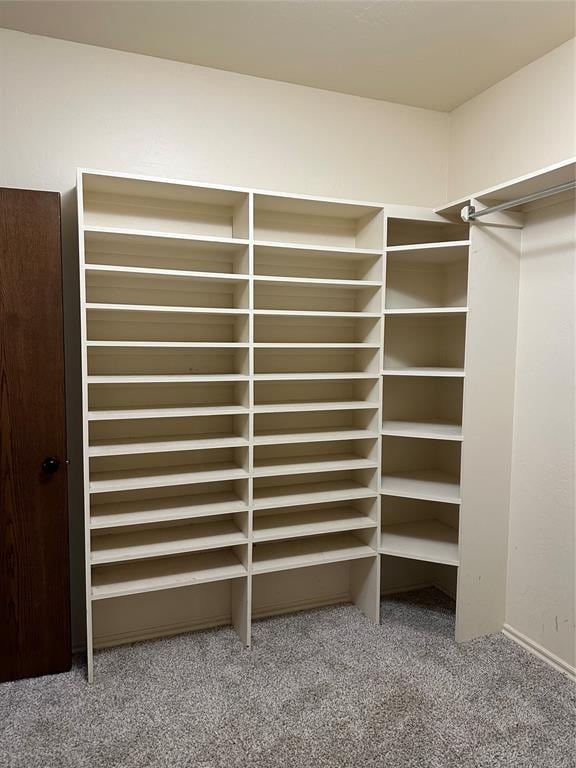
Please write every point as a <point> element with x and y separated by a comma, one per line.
<point>321,688</point>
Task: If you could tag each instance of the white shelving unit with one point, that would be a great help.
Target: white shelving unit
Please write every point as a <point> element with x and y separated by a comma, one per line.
<point>273,388</point>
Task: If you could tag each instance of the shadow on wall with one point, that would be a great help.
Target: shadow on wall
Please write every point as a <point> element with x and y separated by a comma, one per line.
<point>70,281</point>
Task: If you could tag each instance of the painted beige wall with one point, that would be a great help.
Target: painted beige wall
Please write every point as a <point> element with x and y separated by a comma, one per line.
<point>521,124</point>
<point>541,571</point>
<point>65,105</point>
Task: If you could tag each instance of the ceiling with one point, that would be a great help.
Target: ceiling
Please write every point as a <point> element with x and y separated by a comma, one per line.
<point>426,53</point>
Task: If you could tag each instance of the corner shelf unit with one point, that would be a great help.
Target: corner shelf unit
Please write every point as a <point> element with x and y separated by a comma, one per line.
<point>272,402</point>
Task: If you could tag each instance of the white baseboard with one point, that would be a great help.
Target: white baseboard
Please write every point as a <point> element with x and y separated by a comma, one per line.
<point>164,630</point>
<point>542,653</point>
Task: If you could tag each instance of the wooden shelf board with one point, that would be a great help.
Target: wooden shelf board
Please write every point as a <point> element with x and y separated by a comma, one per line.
<point>145,511</point>
<point>165,573</point>
<point>107,307</point>
<point>311,436</point>
<point>316,550</point>
<point>432,372</point>
<point>168,378</point>
<point>162,542</point>
<point>436,430</point>
<point>289,525</point>
<point>331,405</point>
<point>427,312</point>
<point>161,412</point>
<point>428,540</point>
<point>319,249</point>
<point>165,235</point>
<point>326,463</point>
<point>152,477</point>
<point>276,497</point>
<point>329,282</point>
<point>124,447</point>
<point>227,277</point>
<point>430,485</point>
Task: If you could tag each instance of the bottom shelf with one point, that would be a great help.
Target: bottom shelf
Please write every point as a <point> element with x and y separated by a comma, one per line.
<point>284,555</point>
<point>165,573</point>
<point>428,540</point>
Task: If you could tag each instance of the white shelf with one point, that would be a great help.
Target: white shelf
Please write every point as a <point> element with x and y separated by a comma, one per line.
<point>311,313</point>
<point>165,235</point>
<point>161,477</point>
<point>168,378</point>
<point>349,252</point>
<point>226,277</point>
<point>331,405</point>
<point>169,344</point>
<point>333,375</point>
<point>276,497</point>
<point>427,312</point>
<point>427,540</point>
<point>122,513</point>
<point>317,550</point>
<point>311,436</point>
<point>305,465</point>
<point>330,282</point>
<point>161,542</point>
<point>160,412</point>
<point>435,430</point>
<point>432,372</point>
<point>289,525</point>
<point>312,345</point>
<point>106,307</point>
<point>440,246</point>
<point>126,447</point>
<point>165,573</point>
<point>430,485</point>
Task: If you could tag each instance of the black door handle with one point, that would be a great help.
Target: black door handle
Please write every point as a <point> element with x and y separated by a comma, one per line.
<point>50,464</point>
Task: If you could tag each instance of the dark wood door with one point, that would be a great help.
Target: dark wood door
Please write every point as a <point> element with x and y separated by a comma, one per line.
<point>34,563</point>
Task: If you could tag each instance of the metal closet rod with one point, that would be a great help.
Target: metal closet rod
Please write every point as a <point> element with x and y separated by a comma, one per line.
<point>469,213</point>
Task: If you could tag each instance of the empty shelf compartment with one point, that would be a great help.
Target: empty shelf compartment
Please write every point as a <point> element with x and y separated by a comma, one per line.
<point>272,525</point>
<point>133,508</point>
<point>291,329</point>
<point>314,457</point>
<point>316,297</point>
<point>274,493</point>
<point>142,325</point>
<point>118,437</point>
<point>148,251</point>
<point>164,470</point>
<point>402,232</point>
<point>309,426</point>
<point>142,543</point>
<point>320,361</point>
<point>428,540</point>
<point>281,396</point>
<point>423,407</point>
<point>424,343</point>
<point>110,581</point>
<point>111,285</point>
<point>427,279</point>
<point>421,468</point>
<point>117,361</point>
<point>315,550</point>
<point>153,401</point>
<point>271,260</point>
<point>180,209</point>
<point>317,222</point>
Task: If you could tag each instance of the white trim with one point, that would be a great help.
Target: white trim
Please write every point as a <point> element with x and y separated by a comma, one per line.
<point>542,653</point>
